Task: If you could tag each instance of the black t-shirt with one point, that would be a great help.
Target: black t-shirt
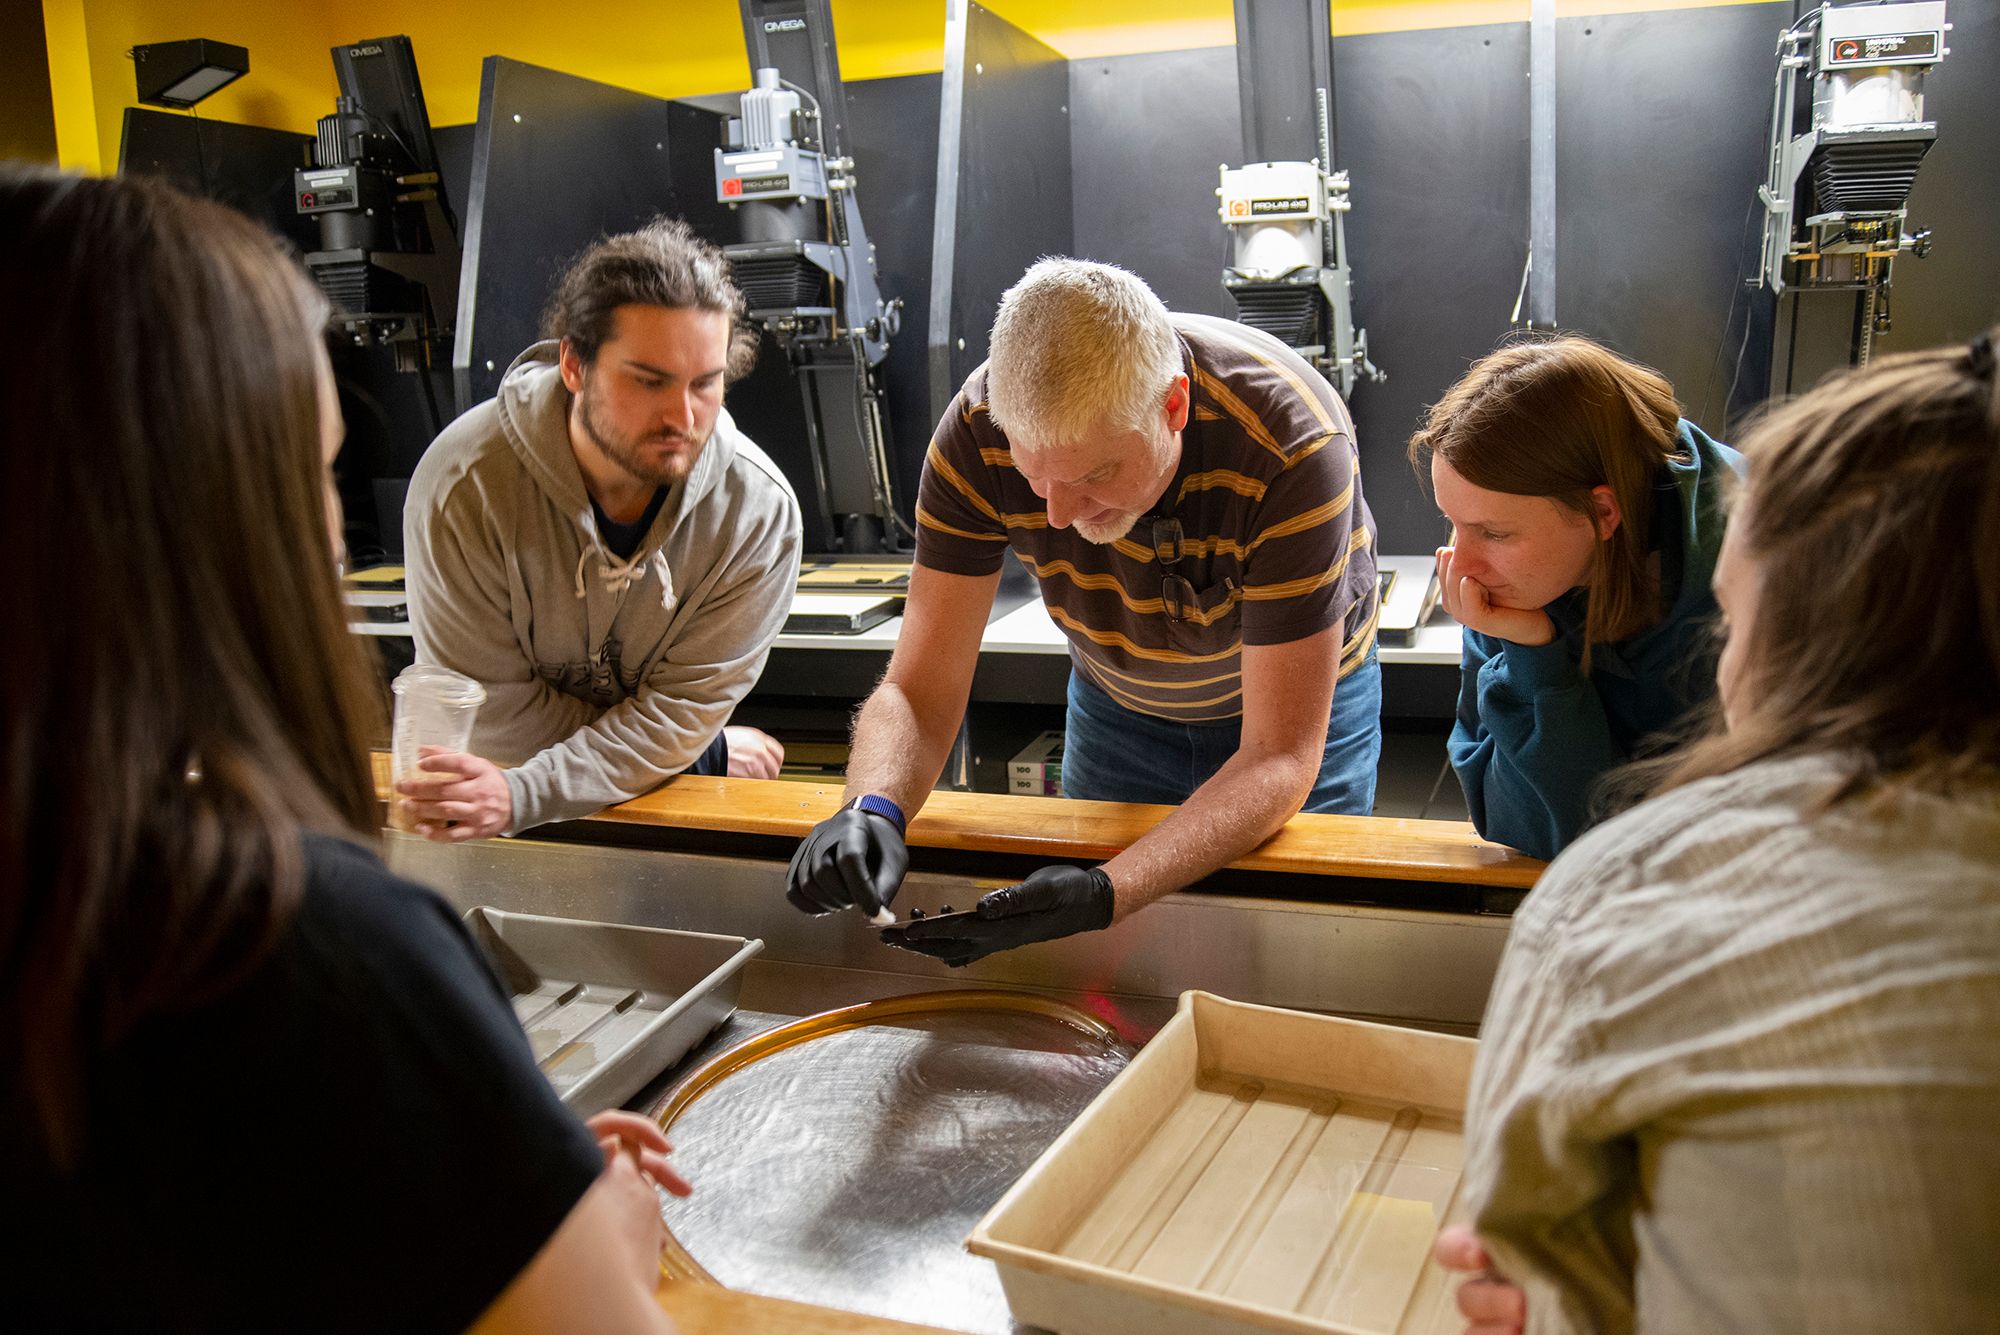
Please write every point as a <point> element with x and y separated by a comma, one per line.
<point>357,1139</point>
<point>714,758</point>
<point>624,539</point>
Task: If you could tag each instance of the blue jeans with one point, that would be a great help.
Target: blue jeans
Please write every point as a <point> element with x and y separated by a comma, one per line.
<point>1115,754</point>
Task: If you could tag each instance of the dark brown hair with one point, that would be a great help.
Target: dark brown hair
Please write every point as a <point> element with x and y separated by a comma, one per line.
<point>1555,417</point>
<point>662,264</point>
<point>183,696</point>
<point>1872,513</point>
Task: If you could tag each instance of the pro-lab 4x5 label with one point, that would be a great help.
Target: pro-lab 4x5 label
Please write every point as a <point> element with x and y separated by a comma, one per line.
<point>732,186</point>
<point>1884,47</point>
<point>1297,205</point>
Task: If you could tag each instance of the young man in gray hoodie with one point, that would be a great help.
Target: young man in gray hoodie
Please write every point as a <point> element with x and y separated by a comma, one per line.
<point>602,549</point>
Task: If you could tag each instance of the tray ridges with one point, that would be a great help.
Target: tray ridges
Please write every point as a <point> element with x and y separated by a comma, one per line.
<point>1291,1199</point>
<point>1224,1271</point>
<point>1209,1218</point>
<point>1383,1241</point>
<point>531,1008</point>
<point>603,1019</point>
<point>1130,1198</point>
<point>606,1006</point>
<point>1338,1284</point>
<point>1152,1246</point>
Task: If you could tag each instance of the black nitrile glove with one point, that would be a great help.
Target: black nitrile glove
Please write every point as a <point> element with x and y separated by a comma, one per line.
<point>852,859</point>
<point>1052,902</point>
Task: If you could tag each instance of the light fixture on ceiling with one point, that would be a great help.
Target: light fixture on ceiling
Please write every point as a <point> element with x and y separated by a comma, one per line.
<point>180,74</point>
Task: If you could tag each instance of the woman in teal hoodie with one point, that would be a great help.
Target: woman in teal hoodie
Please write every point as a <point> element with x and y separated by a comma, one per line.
<point>1585,524</point>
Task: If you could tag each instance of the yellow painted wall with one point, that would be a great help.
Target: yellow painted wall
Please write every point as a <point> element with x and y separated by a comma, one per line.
<point>290,83</point>
<point>679,48</point>
<point>69,84</point>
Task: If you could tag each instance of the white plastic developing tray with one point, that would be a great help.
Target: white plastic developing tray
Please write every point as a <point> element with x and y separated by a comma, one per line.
<point>1252,1170</point>
<point>607,1007</point>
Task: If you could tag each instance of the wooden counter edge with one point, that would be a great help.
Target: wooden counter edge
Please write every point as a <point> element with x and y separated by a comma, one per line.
<point>704,1309</point>
<point>1380,847</point>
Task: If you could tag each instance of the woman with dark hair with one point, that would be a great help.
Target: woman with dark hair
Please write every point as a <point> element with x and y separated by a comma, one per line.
<point>1584,530</point>
<point>1741,1069</point>
<point>248,1079</point>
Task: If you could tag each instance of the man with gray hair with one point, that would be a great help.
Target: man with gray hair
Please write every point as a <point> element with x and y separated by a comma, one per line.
<point>1188,493</point>
<point>602,549</point>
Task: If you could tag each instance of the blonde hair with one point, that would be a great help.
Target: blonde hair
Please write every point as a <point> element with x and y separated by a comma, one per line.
<point>1079,346</point>
<point>1554,418</point>
<point>1872,510</point>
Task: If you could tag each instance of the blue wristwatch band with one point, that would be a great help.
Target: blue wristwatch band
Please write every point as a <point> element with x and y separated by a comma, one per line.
<point>883,807</point>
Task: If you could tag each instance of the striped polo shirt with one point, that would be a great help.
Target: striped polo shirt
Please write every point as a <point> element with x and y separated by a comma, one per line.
<point>1262,536</point>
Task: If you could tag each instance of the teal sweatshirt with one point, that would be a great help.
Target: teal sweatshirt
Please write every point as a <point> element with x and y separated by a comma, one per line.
<point>1535,733</point>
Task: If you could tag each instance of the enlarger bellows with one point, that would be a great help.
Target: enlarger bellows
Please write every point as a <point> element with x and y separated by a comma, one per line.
<point>780,282</point>
<point>1286,311</point>
<point>1868,176</point>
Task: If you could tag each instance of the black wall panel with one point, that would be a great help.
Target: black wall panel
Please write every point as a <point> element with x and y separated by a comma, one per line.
<point>246,167</point>
<point>454,149</point>
<point>557,161</point>
<point>1660,139</point>
<point>893,126</point>
<point>1148,133</point>
<point>1014,178</point>
<point>1657,225</point>
<point>1434,132</point>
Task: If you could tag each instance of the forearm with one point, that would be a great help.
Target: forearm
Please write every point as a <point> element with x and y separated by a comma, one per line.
<point>460,619</point>
<point>629,749</point>
<point>522,718</point>
<point>899,746</point>
<point>1242,804</point>
<point>1530,745</point>
<point>522,712</point>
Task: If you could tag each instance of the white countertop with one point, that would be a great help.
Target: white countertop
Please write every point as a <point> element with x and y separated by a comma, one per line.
<point>1438,640</point>
<point>1028,629</point>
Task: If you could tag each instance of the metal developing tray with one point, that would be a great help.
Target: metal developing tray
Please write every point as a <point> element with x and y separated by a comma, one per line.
<point>842,1157</point>
<point>607,1007</point>
<point>1253,1169</point>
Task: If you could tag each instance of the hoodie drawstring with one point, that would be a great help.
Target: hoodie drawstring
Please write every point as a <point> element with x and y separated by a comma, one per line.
<point>619,574</point>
